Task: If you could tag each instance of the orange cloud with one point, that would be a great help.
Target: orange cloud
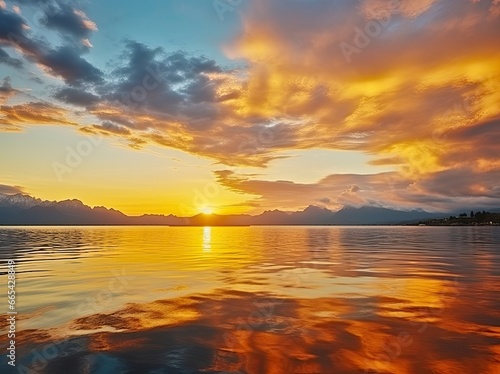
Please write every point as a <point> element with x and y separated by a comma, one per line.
<point>34,113</point>
<point>379,9</point>
<point>89,24</point>
<point>408,83</point>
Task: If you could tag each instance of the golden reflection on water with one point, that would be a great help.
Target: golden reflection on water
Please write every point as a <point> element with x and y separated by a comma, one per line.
<point>207,238</point>
<point>260,299</point>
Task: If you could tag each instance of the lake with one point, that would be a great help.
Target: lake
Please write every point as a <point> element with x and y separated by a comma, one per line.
<point>254,300</point>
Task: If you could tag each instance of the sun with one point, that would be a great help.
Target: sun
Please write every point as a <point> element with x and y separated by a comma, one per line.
<point>206,210</point>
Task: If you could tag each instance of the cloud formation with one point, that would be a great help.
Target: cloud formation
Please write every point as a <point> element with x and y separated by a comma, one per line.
<point>412,83</point>
<point>10,190</point>
<point>6,91</point>
<point>63,61</point>
<point>33,113</point>
<point>443,191</point>
<point>6,59</point>
<point>415,91</point>
<point>76,96</point>
<point>66,19</point>
<point>379,9</point>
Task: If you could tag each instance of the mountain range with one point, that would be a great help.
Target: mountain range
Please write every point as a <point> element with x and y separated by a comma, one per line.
<point>20,209</point>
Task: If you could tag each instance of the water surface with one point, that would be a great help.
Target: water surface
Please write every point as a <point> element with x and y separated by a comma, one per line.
<point>255,300</point>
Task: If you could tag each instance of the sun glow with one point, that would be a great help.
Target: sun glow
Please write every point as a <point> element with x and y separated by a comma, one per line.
<point>206,210</point>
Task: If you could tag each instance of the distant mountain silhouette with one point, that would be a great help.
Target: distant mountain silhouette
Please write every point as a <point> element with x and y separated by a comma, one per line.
<point>368,215</point>
<point>22,209</point>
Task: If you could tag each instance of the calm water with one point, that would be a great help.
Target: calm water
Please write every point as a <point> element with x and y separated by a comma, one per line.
<point>255,300</point>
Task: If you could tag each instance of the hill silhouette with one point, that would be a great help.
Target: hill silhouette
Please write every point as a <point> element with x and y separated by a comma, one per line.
<point>22,209</point>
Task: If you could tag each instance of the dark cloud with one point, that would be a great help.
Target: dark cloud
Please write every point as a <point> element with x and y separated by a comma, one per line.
<point>463,182</point>
<point>325,200</point>
<point>68,20</point>
<point>485,132</point>
<point>110,127</point>
<point>143,82</point>
<point>170,86</point>
<point>76,96</point>
<point>184,98</point>
<point>6,87</point>
<point>6,59</point>
<point>6,90</point>
<point>11,24</point>
<point>202,89</point>
<point>66,61</point>
<point>13,32</point>
<point>474,146</point>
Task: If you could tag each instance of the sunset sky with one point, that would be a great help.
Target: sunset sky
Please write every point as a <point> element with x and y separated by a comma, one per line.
<point>241,106</point>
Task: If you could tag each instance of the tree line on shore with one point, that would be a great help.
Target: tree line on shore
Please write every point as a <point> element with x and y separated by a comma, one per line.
<point>473,218</point>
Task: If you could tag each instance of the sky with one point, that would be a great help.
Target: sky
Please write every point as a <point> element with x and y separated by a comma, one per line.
<point>242,106</point>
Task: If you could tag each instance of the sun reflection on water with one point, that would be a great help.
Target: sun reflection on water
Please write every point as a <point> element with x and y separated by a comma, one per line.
<point>207,239</point>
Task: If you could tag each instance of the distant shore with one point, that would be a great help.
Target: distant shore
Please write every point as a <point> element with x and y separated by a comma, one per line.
<point>473,219</point>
